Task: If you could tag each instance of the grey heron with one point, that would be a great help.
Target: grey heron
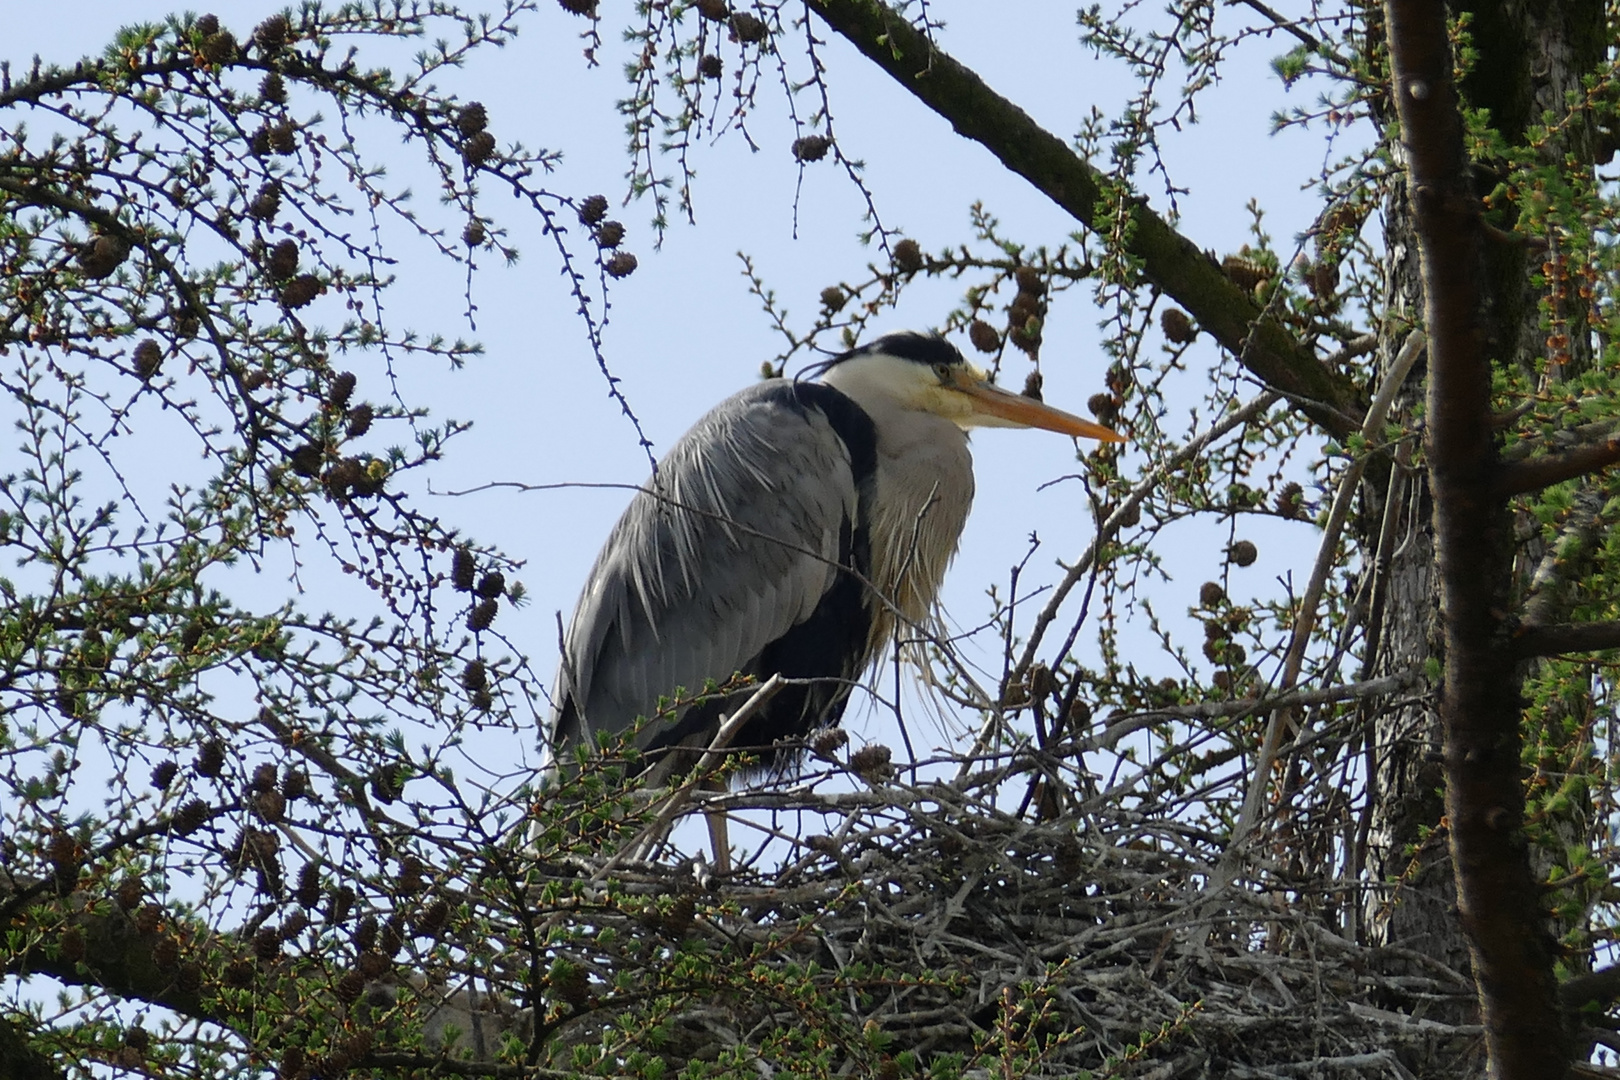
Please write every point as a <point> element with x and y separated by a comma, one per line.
<point>791,531</point>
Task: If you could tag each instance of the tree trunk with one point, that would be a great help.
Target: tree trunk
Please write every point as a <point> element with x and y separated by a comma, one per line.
<point>1529,58</point>
<point>1412,900</point>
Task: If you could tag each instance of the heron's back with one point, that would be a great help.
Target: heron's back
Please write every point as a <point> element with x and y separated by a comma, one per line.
<point>748,553</point>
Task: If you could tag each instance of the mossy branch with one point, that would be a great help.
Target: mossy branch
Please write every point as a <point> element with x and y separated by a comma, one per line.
<point>1168,260</point>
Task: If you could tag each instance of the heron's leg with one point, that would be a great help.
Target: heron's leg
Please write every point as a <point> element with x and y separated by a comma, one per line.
<point>670,807</point>
<point>719,840</point>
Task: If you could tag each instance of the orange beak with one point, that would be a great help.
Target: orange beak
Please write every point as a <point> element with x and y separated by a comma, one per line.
<point>995,407</point>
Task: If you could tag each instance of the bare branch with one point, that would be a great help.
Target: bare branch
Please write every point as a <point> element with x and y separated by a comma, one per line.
<point>1128,507</point>
<point>1288,26</point>
<point>1601,987</point>
<point>1567,560</point>
<point>1119,727</point>
<point>1597,430</point>
<point>1326,560</point>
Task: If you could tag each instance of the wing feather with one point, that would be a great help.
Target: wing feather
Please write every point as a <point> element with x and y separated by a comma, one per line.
<point>693,587</point>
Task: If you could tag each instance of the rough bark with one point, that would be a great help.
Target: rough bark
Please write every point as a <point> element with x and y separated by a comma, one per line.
<point>1412,896</point>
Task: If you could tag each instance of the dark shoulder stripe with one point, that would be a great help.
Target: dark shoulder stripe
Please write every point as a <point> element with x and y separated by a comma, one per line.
<point>849,421</point>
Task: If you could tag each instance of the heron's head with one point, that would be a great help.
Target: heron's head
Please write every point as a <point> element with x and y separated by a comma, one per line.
<point>927,373</point>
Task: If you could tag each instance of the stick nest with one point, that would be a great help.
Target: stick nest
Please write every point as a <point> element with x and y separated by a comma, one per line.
<point>926,928</point>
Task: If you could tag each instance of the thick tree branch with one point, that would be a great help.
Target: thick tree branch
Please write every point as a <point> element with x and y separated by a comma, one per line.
<point>102,946</point>
<point>1533,474</point>
<point>1600,987</point>
<point>1568,439</point>
<point>1567,638</point>
<point>1168,259</point>
<point>1509,944</point>
<point>19,1060</point>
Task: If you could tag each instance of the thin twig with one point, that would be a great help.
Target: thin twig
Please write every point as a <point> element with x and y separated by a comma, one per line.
<point>673,803</point>
<point>1128,508</point>
<point>1326,560</point>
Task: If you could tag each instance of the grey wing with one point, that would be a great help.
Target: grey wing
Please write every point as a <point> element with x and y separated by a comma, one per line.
<point>692,586</point>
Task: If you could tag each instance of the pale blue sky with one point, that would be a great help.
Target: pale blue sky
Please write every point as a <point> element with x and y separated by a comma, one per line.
<point>685,332</point>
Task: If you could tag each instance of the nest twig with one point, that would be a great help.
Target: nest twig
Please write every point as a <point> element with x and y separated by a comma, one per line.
<point>888,922</point>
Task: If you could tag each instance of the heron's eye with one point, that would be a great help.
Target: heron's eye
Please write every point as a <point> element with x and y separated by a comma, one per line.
<point>943,371</point>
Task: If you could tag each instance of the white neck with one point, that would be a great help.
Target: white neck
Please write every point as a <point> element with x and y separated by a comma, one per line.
<point>878,383</point>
